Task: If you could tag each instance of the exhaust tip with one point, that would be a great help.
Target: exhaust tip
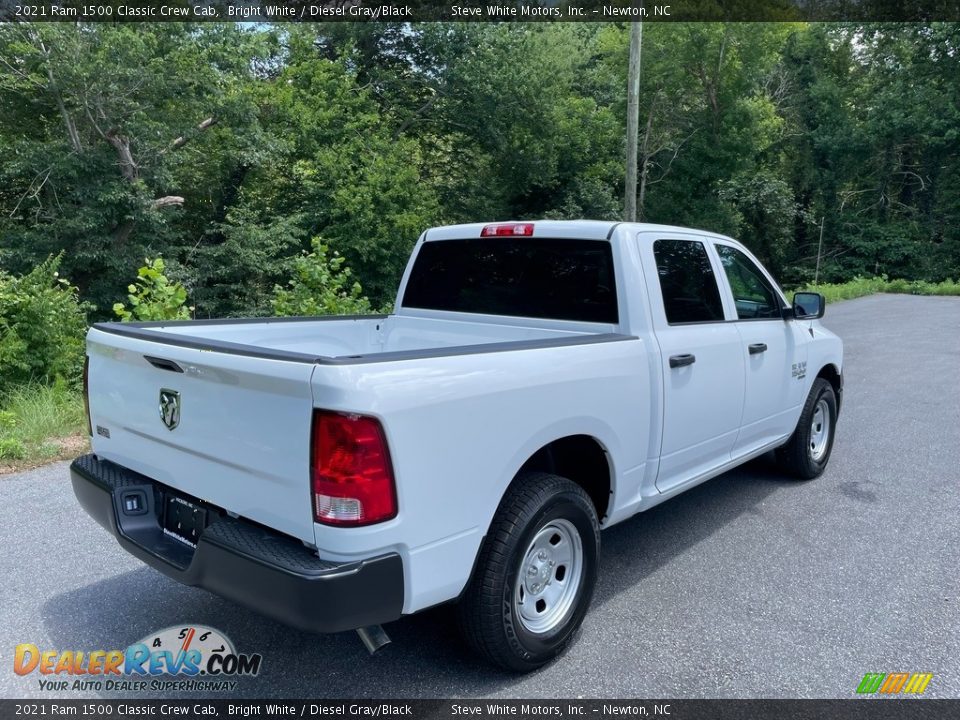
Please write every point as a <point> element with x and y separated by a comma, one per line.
<point>374,638</point>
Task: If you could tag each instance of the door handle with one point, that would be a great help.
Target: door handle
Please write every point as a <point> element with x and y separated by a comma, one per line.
<point>163,364</point>
<point>758,348</point>
<point>681,360</point>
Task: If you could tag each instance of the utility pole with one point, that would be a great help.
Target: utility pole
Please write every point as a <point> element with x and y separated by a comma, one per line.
<point>633,121</point>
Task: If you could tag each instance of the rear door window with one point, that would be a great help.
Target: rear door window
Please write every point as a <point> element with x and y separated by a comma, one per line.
<point>687,282</point>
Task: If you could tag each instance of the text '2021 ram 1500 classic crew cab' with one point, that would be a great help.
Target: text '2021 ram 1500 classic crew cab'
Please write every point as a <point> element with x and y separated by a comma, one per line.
<point>537,382</point>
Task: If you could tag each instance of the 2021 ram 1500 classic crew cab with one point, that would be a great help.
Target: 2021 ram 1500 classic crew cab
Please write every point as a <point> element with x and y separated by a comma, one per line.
<point>537,382</point>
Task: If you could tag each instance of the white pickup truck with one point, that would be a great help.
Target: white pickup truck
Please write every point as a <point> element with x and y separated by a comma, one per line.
<point>537,382</point>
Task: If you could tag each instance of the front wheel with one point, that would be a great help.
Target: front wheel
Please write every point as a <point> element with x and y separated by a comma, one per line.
<point>807,452</point>
<point>535,574</point>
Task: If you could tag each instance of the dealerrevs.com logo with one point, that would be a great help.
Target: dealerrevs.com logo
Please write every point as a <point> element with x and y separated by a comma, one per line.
<point>185,657</point>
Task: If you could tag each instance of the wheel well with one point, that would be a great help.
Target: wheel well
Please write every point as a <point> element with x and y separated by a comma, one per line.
<point>832,376</point>
<point>579,458</point>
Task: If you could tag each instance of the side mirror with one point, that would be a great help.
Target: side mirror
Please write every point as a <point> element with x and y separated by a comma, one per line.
<point>808,306</point>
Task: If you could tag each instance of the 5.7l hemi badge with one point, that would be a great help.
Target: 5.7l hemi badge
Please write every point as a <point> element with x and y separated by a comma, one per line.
<point>799,370</point>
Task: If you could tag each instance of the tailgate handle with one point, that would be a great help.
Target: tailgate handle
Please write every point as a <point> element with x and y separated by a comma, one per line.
<point>163,364</point>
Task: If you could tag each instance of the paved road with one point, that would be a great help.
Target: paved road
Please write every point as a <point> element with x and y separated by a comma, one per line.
<point>748,586</point>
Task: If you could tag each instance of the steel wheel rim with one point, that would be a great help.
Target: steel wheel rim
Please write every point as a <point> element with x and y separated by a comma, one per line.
<point>820,430</point>
<point>549,577</point>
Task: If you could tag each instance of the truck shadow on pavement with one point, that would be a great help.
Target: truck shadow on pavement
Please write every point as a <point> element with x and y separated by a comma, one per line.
<point>427,658</point>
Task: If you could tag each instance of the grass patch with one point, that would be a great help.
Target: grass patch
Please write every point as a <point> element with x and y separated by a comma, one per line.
<point>39,423</point>
<point>859,287</point>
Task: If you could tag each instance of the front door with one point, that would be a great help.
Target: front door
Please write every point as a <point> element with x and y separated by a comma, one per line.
<point>773,349</point>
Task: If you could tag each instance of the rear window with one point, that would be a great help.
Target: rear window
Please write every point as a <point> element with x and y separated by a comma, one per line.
<point>525,277</point>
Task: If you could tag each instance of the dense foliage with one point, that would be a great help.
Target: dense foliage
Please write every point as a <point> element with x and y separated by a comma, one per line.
<point>42,324</point>
<point>153,297</point>
<point>320,285</point>
<point>226,148</point>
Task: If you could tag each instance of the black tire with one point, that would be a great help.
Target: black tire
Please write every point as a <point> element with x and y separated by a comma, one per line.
<point>797,457</point>
<point>489,616</point>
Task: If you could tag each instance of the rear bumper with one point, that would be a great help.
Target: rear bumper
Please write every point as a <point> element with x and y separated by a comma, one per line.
<point>256,567</point>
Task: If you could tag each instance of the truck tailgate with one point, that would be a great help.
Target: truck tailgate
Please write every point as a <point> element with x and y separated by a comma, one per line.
<point>242,438</point>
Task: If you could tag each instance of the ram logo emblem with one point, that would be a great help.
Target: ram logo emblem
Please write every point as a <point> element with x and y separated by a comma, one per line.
<point>170,407</point>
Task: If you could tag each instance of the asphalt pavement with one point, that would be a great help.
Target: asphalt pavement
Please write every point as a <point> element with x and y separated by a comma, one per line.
<point>750,585</point>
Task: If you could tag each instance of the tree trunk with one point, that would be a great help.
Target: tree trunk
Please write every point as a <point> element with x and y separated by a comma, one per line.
<point>128,167</point>
<point>72,135</point>
<point>131,173</point>
<point>646,155</point>
<point>642,195</point>
<point>122,232</point>
<point>68,123</point>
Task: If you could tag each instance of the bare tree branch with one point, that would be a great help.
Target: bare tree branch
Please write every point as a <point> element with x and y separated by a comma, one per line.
<point>72,134</point>
<point>676,151</point>
<point>33,190</point>
<point>415,117</point>
<point>183,139</point>
<point>166,201</point>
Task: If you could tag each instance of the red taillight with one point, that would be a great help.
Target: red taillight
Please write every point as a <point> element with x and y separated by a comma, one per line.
<point>508,230</point>
<point>352,476</point>
<point>86,393</point>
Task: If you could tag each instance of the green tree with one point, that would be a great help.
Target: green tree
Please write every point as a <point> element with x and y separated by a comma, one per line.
<point>112,134</point>
<point>333,167</point>
<point>874,152</point>
<point>42,327</point>
<point>321,285</point>
<point>153,297</point>
<point>223,148</point>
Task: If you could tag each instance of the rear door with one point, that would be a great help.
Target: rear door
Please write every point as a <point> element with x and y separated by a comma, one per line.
<point>232,430</point>
<point>774,351</point>
<point>701,358</point>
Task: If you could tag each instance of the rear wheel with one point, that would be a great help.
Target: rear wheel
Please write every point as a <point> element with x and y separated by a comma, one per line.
<point>535,574</point>
<point>807,452</point>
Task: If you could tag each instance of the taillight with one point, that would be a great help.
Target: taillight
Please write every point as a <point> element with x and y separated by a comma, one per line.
<point>352,476</point>
<point>86,393</point>
<point>507,230</point>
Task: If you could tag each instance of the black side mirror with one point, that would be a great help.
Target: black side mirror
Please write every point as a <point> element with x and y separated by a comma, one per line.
<point>808,305</point>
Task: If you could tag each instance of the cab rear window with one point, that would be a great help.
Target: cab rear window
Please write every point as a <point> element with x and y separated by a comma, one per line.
<point>522,277</point>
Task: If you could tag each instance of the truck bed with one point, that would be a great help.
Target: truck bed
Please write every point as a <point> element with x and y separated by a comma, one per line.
<point>248,389</point>
<point>350,339</point>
